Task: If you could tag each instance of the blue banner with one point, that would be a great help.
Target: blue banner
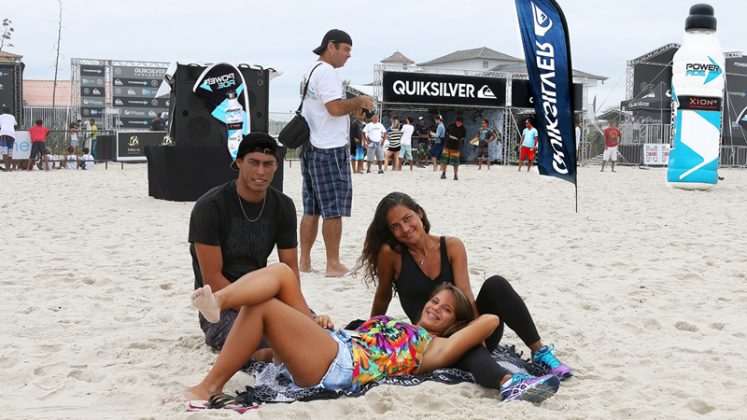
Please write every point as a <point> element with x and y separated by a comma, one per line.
<point>548,56</point>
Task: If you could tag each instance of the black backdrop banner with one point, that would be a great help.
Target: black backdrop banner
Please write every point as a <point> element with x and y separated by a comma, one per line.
<point>446,89</point>
<point>7,88</point>
<point>521,95</point>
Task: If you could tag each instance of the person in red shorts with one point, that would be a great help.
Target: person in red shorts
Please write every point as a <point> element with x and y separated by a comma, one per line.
<point>38,134</point>
<point>528,144</point>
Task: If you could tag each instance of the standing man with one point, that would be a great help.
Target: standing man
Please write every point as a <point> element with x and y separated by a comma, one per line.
<point>438,140</point>
<point>7,137</point>
<point>235,226</point>
<point>38,134</point>
<point>156,124</point>
<point>327,183</point>
<point>528,144</point>
<point>611,141</point>
<point>486,136</point>
<point>94,136</point>
<point>451,152</point>
<point>373,134</point>
<point>421,143</point>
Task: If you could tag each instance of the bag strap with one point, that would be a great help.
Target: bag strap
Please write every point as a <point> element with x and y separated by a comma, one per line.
<point>306,89</point>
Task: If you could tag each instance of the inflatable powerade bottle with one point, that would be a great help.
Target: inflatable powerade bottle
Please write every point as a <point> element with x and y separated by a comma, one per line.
<point>697,92</point>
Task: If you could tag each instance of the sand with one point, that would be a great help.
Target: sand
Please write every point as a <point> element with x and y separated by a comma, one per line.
<point>643,292</point>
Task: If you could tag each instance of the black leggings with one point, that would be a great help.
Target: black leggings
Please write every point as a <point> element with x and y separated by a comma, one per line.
<point>497,297</point>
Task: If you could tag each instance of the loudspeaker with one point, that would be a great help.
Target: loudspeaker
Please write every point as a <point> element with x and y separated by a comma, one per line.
<point>192,124</point>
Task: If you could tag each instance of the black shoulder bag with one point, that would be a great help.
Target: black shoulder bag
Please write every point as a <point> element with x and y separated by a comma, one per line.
<point>296,132</point>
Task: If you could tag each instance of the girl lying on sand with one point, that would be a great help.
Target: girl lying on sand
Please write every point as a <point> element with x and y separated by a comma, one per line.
<point>271,304</point>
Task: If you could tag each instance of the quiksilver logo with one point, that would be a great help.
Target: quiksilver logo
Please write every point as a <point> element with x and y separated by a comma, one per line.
<point>542,23</point>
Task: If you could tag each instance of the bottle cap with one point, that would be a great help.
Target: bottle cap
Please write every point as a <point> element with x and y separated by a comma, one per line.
<point>701,17</point>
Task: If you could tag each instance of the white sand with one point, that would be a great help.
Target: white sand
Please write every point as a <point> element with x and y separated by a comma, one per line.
<point>643,292</point>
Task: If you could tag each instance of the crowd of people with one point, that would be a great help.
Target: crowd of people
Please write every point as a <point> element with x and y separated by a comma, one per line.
<point>78,153</point>
<point>248,309</point>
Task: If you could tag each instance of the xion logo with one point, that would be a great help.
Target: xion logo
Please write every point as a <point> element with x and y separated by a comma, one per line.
<point>699,70</point>
<point>703,102</point>
<point>222,82</point>
<point>542,23</point>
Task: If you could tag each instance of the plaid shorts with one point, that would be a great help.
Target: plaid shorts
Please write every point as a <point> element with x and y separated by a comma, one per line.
<point>327,183</point>
<point>6,145</point>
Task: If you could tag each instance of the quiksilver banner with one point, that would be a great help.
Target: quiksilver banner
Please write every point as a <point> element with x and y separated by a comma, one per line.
<point>446,89</point>
<point>548,55</point>
<point>221,87</point>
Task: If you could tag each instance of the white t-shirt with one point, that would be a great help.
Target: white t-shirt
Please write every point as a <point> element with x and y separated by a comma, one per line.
<point>71,162</point>
<point>88,162</point>
<point>8,125</point>
<point>326,131</point>
<point>407,131</point>
<point>374,131</point>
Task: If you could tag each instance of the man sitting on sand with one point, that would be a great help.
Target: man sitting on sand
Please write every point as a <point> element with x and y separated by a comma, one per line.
<point>235,226</point>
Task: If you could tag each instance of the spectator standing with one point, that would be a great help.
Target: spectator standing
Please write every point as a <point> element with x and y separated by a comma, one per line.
<point>450,155</point>
<point>395,145</point>
<point>327,184</point>
<point>528,144</point>
<point>373,133</point>
<point>38,134</point>
<point>94,130</point>
<point>611,140</point>
<point>356,145</point>
<point>486,136</point>
<point>435,150</point>
<point>405,152</point>
<point>8,125</point>
<point>421,143</point>
<point>74,131</point>
<point>156,124</point>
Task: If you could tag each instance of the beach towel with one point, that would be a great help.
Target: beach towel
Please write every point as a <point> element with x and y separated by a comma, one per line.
<point>273,386</point>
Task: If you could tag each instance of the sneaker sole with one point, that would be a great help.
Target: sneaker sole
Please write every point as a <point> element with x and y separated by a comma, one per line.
<point>538,392</point>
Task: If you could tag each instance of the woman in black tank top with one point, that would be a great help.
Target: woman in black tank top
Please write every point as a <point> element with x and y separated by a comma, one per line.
<point>401,256</point>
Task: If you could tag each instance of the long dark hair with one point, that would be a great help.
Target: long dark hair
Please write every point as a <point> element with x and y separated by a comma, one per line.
<point>378,234</point>
<point>463,312</point>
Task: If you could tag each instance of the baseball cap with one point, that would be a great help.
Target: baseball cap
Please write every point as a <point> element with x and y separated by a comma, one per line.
<point>439,117</point>
<point>334,35</point>
<point>420,117</point>
<point>256,141</point>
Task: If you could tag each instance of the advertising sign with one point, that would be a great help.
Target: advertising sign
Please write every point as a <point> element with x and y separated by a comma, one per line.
<point>446,89</point>
<point>7,88</point>
<point>92,91</point>
<point>131,145</point>
<point>134,95</point>
<point>655,154</point>
<point>521,95</point>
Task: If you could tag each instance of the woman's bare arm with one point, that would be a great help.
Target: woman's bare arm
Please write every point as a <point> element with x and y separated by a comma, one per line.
<point>444,352</point>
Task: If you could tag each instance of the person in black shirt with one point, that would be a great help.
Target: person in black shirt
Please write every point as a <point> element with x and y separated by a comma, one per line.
<point>400,254</point>
<point>157,124</point>
<point>234,227</point>
<point>455,134</point>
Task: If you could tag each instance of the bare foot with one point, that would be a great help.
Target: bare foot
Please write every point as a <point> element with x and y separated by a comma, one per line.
<point>337,270</point>
<point>204,301</point>
<point>197,392</point>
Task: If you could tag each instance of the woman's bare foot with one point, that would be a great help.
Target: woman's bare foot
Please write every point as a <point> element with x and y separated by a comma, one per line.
<point>304,265</point>
<point>204,301</point>
<point>337,270</point>
<point>198,392</point>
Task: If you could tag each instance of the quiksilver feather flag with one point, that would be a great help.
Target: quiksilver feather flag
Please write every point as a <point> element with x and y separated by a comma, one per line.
<point>547,50</point>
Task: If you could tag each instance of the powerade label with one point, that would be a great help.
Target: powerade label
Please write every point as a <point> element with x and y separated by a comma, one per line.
<point>709,71</point>
<point>699,103</point>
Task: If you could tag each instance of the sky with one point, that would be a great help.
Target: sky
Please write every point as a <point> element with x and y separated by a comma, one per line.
<point>281,34</point>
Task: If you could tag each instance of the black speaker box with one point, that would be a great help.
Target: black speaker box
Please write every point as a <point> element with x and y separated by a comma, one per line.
<point>192,124</point>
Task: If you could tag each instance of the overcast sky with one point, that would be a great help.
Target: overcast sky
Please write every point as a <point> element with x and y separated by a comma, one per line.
<point>282,33</point>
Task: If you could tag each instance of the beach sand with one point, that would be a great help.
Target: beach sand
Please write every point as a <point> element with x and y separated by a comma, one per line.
<point>643,292</point>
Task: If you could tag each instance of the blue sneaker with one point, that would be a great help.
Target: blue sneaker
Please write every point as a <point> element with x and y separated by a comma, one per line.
<point>543,357</point>
<point>526,387</point>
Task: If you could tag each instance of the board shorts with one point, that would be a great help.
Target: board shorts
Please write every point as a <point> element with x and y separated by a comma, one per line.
<point>327,182</point>
<point>526,153</point>
<point>405,152</point>
<point>610,153</point>
<point>435,150</point>
<point>6,145</point>
<point>374,152</point>
<point>450,156</point>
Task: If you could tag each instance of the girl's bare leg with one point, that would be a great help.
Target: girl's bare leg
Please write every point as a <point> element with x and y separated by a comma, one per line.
<point>274,281</point>
<point>287,330</point>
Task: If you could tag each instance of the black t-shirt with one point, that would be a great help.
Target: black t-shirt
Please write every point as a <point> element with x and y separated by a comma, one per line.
<point>157,125</point>
<point>218,220</point>
<point>459,132</point>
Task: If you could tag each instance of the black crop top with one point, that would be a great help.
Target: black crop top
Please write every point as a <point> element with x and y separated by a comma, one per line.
<point>414,287</point>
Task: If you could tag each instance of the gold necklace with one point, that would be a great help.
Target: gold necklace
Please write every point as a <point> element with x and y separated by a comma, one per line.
<point>244,213</point>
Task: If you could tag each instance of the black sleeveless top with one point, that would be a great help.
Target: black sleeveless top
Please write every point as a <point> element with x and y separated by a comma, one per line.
<point>414,287</point>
